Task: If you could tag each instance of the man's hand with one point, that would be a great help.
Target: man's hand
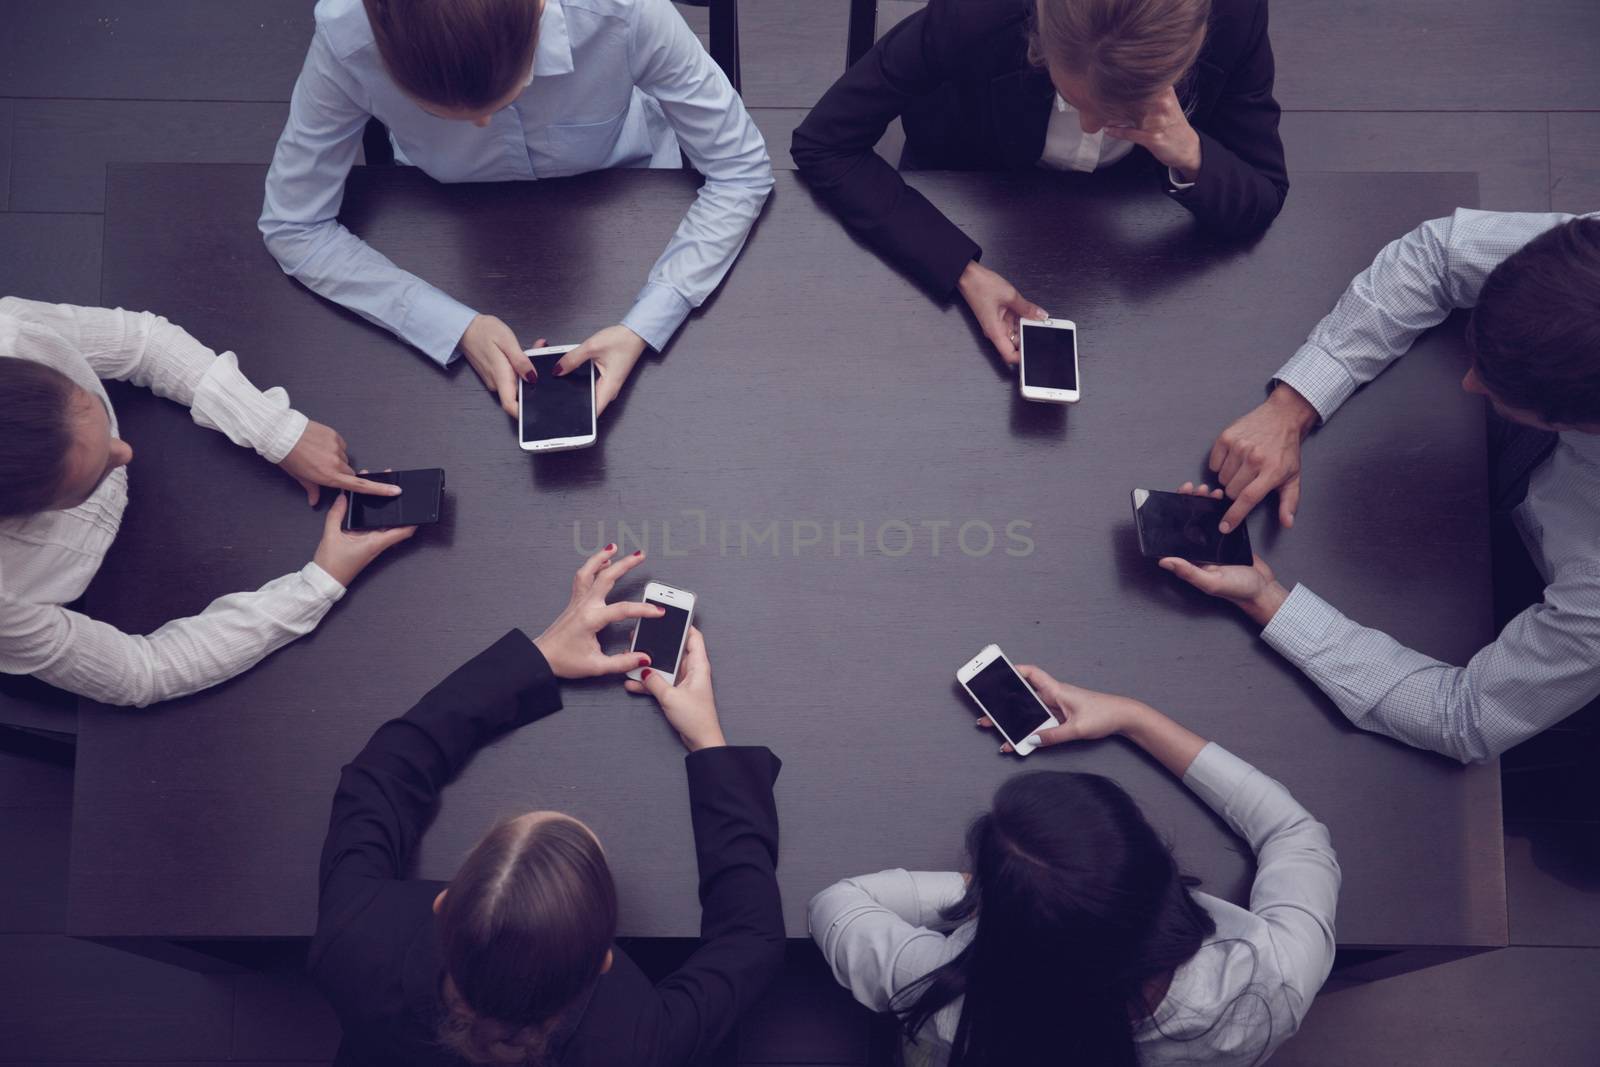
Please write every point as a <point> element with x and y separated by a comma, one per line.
<point>998,307</point>
<point>497,358</point>
<point>319,459</point>
<point>1164,131</point>
<point>1253,589</point>
<point>1261,452</point>
<point>614,351</point>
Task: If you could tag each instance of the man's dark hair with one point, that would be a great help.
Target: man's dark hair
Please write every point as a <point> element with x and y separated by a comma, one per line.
<point>459,54</point>
<point>35,435</point>
<point>1535,334</point>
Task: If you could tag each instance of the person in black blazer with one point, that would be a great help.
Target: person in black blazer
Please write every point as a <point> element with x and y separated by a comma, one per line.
<point>1072,84</point>
<point>512,961</point>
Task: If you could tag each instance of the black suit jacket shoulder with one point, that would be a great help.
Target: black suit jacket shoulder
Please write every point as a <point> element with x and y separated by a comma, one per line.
<point>957,73</point>
<point>376,954</point>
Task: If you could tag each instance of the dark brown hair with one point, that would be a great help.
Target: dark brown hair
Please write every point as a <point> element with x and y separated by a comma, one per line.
<point>465,55</point>
<point>525,929</point>
<point>35,435</point>
<point>1535,334</point>
<point>1127,50</point>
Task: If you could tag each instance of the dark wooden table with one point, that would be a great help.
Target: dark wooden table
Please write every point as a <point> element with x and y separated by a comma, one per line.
<point>818,388</point>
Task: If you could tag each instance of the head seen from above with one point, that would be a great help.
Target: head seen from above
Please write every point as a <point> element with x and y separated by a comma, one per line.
<point>458,59</point>
<point>1534,337</point>
<point>56,444</point>
<point>525,929</point>
<point>1112,59</point>
<point>1082,915</point>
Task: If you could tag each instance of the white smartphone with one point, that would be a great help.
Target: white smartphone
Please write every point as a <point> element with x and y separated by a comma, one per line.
<point>1049,350</point>
<point>663,639</point>
<point>557,413</point>
<point>1009,701</point>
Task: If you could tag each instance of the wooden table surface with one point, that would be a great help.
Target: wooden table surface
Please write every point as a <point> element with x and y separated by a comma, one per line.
<point>817,396</point>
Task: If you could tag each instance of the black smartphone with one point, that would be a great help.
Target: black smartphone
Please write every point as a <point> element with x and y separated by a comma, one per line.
<point>1177,524</point>
<point>417,505</point>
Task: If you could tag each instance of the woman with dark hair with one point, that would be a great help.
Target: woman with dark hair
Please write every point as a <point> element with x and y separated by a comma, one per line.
<point>1075,939</point>
<point>64,486</point>
<point>511,90</point>
<point>512,960</point>
<point>1174,92</point>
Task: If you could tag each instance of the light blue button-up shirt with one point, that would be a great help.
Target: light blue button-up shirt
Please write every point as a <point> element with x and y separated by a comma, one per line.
<point>616,83</point>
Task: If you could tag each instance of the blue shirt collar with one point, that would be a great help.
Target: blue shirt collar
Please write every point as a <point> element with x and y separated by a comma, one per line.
<point>553,53</point>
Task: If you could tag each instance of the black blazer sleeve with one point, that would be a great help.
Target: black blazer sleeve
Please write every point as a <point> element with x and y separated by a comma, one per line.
<point>1243,180</point>
<point>741,917</point>
<point>387,793</point>
<point>833,149</point>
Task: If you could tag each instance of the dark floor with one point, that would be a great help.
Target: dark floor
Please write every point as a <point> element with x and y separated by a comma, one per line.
<point>1509,89</point>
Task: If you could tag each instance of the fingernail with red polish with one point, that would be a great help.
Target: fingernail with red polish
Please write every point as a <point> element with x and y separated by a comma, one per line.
<point>644,660</point>
<point>644,673</point>
<point>612,547</point>
<point>638,552</point>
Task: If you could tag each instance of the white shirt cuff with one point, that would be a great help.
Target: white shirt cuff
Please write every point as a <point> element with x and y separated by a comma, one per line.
<point>1319,376</point>
<point>656,314</point>
<point>1177,183</point>
<point>225,400</point>
<point>322,583</point>
<point>434,323</point>
<point>1301,627</point>
<point>1215,774</point>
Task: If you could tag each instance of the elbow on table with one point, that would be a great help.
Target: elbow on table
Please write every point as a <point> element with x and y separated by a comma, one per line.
<point>290,243</point>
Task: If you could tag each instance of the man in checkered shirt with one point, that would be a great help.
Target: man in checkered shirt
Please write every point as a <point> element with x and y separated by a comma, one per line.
<point>1533,281</point>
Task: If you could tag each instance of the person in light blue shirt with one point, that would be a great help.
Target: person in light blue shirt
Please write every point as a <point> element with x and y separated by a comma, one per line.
<point>500,90</point>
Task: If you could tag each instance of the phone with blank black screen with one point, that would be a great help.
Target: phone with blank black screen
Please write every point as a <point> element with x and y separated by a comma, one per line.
<point>1006,697</point>
<point>556,414</point>
<point>421,492</point>
<point>1049,352</point>
<point>1186,526</point>
<point>662,639</point>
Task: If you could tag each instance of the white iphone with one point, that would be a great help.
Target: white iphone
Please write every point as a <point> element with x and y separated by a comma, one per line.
<point>1049,350</point>
<point>557,413</point>
<point>1009,701</point>
<point>662,639</point>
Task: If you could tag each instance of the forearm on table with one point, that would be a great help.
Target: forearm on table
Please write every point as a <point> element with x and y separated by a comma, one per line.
<point>230,636</point>
<point>1172,745</point>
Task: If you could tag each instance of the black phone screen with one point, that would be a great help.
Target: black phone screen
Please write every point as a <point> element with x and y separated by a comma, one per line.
<point>1177,524</point>
<point>417,504</point>
<point>1007,700</point>
<point>558,407</point>
<point>660,639</point>
<point>1049,357</point>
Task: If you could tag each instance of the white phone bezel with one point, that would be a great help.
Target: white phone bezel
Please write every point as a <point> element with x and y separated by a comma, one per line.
<point>678,598</point>
<point>1033,392</point>
<point>970,670</point>
<point>558,444</point>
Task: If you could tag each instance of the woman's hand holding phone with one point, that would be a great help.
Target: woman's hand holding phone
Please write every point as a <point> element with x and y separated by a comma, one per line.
<point>689,706</point>
<point>997,306</point>
<point>1084,715</point>
<point>614,351</point>
<point>571,644</point>
<point>1088,716</point>
<point>1254,590</point>
<point>342,553</point>
<point>496,357</point>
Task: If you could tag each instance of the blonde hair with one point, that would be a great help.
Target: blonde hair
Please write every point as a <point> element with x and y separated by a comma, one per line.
<point>1127,50</point>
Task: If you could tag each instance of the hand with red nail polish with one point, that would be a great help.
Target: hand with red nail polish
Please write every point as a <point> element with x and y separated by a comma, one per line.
<point>690,706</point>
<point>571,644</point>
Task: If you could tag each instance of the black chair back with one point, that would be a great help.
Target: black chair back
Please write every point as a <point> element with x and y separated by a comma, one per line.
<point>863,31</point>
<point>724,35</point>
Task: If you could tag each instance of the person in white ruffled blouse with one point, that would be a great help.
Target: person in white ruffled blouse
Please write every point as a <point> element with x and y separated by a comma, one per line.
<point>64,485</point>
